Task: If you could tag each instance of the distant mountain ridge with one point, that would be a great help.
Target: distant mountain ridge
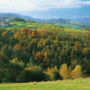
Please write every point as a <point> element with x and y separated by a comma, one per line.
<point>65,22</point>
<point>84,20</point>
<point>9,15</point>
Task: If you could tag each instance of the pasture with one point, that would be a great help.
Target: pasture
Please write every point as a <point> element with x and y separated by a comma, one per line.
<point>79,84</point>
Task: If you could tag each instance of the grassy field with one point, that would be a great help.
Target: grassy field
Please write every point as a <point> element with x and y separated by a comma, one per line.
<point>80,84</point>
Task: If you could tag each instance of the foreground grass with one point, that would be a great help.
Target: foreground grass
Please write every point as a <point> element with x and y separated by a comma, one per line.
<point>80,84</point>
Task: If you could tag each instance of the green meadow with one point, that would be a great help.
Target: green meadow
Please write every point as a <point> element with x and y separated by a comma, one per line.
<point>79,84</point>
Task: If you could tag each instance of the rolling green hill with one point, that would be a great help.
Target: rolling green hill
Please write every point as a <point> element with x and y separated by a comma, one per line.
<point>18,23</point>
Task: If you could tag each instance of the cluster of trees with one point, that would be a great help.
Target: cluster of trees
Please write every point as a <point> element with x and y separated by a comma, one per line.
<point>27,55</point>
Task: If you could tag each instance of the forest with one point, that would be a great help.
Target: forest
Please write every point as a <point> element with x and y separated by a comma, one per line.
<point>44,54</point>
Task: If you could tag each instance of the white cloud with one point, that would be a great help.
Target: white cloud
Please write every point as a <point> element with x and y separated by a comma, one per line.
<point>37,5</point>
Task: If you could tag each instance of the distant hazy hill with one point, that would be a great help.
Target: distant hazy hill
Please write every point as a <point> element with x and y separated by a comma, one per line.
<point>10,15</point>
<point>85,20</point>
<point>64,22</point>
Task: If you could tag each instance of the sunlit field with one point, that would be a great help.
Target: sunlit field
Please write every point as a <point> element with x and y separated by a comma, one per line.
<point>80,84</point>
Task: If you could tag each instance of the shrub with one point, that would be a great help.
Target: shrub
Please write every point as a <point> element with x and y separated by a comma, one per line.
<point>77,72</point>
<point>52,73</point>
<point>34,73</point>
<point>16,61</point>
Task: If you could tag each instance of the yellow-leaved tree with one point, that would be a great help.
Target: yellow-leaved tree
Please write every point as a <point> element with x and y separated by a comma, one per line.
<point>76,72</point>
<point>64,71</point>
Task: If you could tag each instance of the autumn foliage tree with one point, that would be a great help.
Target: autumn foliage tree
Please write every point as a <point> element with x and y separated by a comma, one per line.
<point>76,44</point>
<point>38,57</point>
<point>76,72</point>
<point>64,71</point>
<point>27,31</point>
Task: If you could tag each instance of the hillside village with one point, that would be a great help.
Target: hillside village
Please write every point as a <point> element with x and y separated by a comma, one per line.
<point>3,24</point>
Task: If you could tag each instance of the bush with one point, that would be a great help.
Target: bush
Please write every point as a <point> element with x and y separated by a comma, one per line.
<point>34,73</point>
<point>52,73</point>
<point>18,62</point>
<point>77,72</point>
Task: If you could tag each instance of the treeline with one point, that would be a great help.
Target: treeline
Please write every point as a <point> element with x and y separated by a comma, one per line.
<point>27,55</point>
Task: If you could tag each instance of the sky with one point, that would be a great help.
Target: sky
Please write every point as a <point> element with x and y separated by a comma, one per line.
<point>47,9</point>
